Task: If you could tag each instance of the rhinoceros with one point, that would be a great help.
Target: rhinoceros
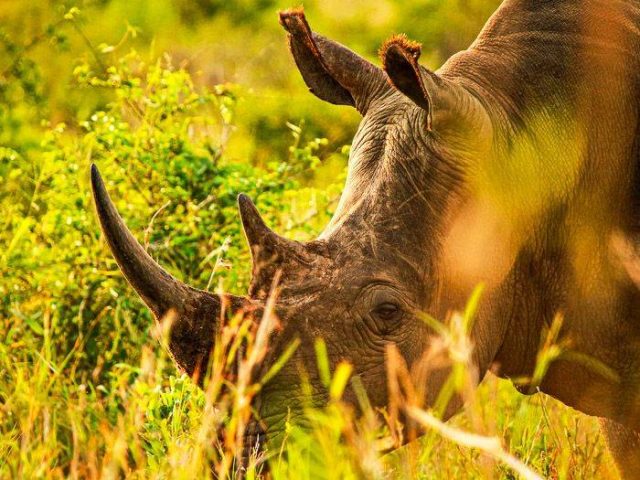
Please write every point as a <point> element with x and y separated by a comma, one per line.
<point>515,165</point>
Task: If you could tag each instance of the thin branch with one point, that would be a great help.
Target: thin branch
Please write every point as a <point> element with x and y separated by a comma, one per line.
<point>491,446</point>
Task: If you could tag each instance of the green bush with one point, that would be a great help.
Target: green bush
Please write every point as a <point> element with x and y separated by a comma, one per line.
<point>160,144</point>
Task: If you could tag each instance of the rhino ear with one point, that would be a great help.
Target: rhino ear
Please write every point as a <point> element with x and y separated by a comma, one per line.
<point>450,107</point>
<point>400,60</point>
<point>331,71</point>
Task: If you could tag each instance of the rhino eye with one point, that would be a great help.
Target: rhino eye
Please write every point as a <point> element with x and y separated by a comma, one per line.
<point>387,312</point>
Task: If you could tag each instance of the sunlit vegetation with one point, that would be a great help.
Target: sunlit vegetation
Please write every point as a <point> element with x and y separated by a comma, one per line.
<point>184,105</point>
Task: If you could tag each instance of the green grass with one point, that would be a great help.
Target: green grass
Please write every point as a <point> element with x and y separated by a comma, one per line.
<point>145,422</point>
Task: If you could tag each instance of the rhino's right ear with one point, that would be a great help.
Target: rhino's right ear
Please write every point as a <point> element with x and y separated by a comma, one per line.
<point>331,71</point>
<point>451,109</point>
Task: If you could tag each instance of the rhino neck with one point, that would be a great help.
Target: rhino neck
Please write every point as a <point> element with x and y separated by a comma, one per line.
<point>553,57</point>
<point>561,81</point>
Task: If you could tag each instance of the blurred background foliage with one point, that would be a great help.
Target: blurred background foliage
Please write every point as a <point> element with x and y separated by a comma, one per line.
<point>183,105</point>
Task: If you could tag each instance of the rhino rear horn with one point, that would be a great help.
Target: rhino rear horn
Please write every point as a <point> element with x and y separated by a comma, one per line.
<point>331,71</point>
<point>195,314</point>
<point>269,251</point>
<point>449,105</point>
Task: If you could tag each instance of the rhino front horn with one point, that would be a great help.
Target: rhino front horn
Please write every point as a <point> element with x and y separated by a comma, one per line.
<point>194,313</point>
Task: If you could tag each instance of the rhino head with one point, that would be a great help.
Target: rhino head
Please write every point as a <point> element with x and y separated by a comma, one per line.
<point>361,284</point>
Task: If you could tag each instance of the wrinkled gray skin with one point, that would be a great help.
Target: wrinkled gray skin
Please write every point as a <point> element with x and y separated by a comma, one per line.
<point>515,165</point>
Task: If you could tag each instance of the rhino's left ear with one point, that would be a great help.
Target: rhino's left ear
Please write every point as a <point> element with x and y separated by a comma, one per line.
<point>448,104</point>
<point>331,71</point>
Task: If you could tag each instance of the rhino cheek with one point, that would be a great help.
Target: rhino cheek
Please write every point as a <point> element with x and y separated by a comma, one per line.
<point>282,403</point>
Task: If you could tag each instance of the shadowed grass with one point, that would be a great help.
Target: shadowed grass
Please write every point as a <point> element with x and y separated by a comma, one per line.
<point>143,423</point>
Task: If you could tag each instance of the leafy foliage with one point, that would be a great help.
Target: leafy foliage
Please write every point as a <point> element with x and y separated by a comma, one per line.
<point>161,145</point>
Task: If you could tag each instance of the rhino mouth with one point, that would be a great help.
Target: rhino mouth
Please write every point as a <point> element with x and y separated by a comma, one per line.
<point>253,446</point>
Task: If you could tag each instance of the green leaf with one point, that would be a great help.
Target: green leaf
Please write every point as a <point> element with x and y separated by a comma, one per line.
<point>322,360</point>
<point>339,381</point>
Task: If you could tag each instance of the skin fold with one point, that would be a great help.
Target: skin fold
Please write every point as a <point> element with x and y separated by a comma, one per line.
<point>515,165</point>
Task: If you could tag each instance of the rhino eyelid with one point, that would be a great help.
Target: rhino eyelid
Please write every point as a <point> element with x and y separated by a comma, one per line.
<point>376,283</point>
